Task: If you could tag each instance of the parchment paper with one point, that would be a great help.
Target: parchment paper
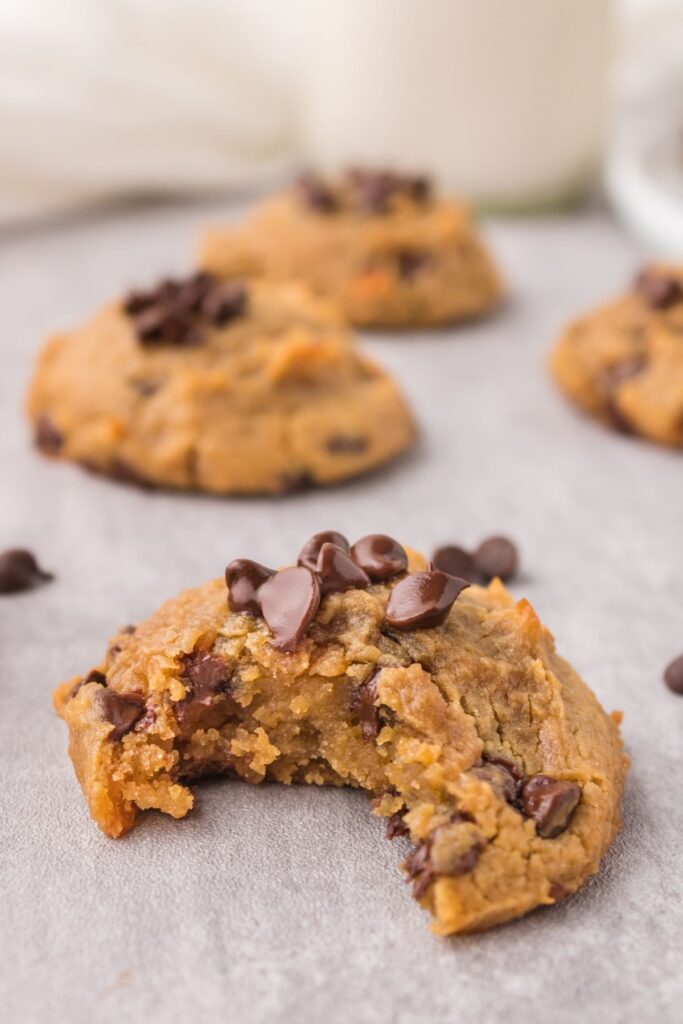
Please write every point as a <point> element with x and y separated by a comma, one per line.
<point>273,904</point>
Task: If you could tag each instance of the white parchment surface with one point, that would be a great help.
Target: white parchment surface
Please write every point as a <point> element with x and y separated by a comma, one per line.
<point>286,905</point>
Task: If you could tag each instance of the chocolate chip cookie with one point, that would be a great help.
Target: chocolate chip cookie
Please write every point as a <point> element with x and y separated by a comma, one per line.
<point>360,666</point>
<point>380,245</point>
<point>230,387</point>
<point>623,362</point>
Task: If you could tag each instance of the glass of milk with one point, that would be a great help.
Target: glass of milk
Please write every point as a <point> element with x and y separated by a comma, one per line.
<point>503,101</point>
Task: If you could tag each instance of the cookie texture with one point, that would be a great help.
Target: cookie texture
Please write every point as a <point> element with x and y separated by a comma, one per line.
<point>233,387</point>
<point>446,702</point>
<point>380,245</point>
<point>623,362</point>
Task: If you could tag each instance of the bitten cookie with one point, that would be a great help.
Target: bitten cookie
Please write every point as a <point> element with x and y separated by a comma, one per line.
<point>360,666</point>
<point>234,387</point>
<point>624,362</point>
<point>380,245</point>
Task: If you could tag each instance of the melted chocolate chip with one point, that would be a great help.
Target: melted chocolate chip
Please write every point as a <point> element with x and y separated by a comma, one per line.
<point>315,194</point>
<point>363,705</point>
<point>504,762</point>
<point>659,289</point>
<point>19,571</point>
<point>209,675</point>
<point>122,711</point>
<point>500,779</point>
<point>396,826</point>
<point>289,602</point>
<point>338,572</point>
<point>496,556</point>
<point>673,675</point>
<point>455,561</point>
<point>625,369</point>
<point>346,444</point>
<point>423,600</point>
<point>308,555</point>
<point>244,579</point>
<point>380,556</point>
<point>46,437</point>
<point>550,802</point>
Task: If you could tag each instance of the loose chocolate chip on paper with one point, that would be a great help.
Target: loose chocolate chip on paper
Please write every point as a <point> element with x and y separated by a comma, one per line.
<point>308,555</point>
<point>455,561</point>
<point>673,675</point>
<point>47,438</point>
<point>550,802</point>
<point>659,289</point>
<point>19,571</point>
<point>244,578</point>
<point>338,571</point>
<point>122,710</point>
<point>423,600</point>
<point>208,674</point>
<point>289,602</point>
<point>380,556</point>
<point>496,556</point>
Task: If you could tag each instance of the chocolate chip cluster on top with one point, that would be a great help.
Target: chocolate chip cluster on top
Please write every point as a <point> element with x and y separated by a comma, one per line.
<point>363,191</point>
<point>289,600</point>
<point>176,312</point>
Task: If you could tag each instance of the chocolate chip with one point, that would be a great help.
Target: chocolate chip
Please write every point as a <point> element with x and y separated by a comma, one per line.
<point>95,676</point>
<point>673,675</point>
<point>338,572</point>
<point>502,776</point>
<point>347,444</point>
<point>119,469</point>
<point>315,193</point>
<point>659,289</point>
<point>363,705</point>
<point>244,578</point>
<point>289,602</point>
<point>504,762</point>
<point>550,802</point>
<point>455,561</point>
<point>372,191</point>
<point>423,600</point>
<point>208,674</point>
<point>380,556</point>
<point>625,369</point>
<point>411,261</point>
<point>308,555</point>
<point>224,302</point>
<point>423,866</point>
<point>496,556</point>
<point>396,826</point>
<point>122,711</point>
<point>47,438</point>
<point>173,312</point>
<point>19,571</point>
<point>291,483</point>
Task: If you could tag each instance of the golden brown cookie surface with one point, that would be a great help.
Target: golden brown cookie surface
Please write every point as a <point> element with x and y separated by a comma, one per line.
<point>378,244</point>
<point>447,703</point>
<point>623,363</point>
<point>225,387</point>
